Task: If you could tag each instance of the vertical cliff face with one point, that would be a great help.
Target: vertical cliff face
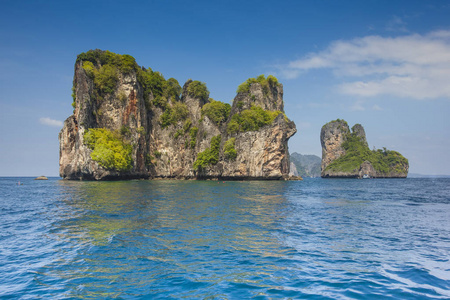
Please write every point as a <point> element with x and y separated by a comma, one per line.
<point>332,136</point>
<point>130,122</point>
<point>117,110</point>
<point>346,153</point>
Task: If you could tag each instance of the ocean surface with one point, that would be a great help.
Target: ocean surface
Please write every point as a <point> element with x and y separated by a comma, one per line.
<point>312,239</point>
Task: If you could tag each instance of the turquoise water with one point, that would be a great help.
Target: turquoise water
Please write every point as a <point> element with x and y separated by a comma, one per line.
<point>315,239</point>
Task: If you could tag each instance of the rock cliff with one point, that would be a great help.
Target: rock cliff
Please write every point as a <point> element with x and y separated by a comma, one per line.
<point>346,153</point>
<point>130,122</point>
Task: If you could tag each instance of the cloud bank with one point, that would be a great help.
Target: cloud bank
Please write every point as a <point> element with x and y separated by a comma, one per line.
<point>413,66</point>
<point>50,122</point>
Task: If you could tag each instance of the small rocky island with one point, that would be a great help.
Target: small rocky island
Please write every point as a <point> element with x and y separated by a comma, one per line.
<point>130,122</point>
<point>346,154</point>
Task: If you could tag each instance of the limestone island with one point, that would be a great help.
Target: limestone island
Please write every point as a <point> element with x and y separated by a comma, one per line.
<point>129,122</point>
<point>346,154</point>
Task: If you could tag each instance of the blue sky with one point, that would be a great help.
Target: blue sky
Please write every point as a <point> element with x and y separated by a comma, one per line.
<point>384,64</point>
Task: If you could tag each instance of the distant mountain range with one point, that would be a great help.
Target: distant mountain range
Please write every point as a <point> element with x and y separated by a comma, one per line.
<point>415,175</point>
<point>307,165</point>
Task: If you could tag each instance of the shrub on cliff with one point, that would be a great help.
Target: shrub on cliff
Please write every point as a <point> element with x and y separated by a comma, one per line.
<point>198,89</point>
<point>162,89</point>
<point>266,83</point>
<point>193,136</point>
<point>173,114</point>
<point>173,89</point>
<point>106,78</point>
<point>228,149</point>
<point>216,111</point>
<point>343,124</point>
<point>89,68</point>
<point>251,119</point>
<point>210,156</point>
<point>103,67</point>
<point>125,63</point>
<point>109,149</point>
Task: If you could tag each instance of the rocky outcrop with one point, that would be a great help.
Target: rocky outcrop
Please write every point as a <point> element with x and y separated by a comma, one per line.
<point>293,170</point>
<point>359,131</point>
<point>41,178</point>
<point>332,136</point>
<point>346,154</point>
<point>161,130</point>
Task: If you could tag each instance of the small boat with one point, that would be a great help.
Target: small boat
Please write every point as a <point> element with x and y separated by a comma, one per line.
<point>366,176</point>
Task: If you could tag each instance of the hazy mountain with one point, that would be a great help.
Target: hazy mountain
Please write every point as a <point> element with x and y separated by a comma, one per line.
<point>415,175</point>
<point>307,165</point>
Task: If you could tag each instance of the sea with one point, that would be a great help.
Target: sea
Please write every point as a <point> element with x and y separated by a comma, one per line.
<point>167,239</point>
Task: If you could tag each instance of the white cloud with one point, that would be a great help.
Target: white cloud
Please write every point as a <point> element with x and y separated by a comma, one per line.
<point>376,107</point>
<point>396,24</point>
<point>50,122</point>
<point>440,34</point>
<point>413,66</point>
<point>289,73</point>
<point>358,106</point>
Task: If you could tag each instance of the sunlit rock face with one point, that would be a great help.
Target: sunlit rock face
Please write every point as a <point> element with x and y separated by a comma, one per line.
<point>162,147</point>
<point>332,136</point>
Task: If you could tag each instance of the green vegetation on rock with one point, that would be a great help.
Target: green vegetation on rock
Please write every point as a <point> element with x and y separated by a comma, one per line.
<point>187,124</point>
<point>89,68</point>
<point>198,89</point>
<point>216,111</point>
<point>173,89</point>
<point>149,160</point>
<point>74,97</point>
<point>173,114</point>
<point>356,152</point>
<point>178,133</point>
<point>125,63</point>
<point>109,149</point>
<point>157,153</point>
<point>103,67</point>
<point>343,126</point>
<point>251,119</point>
<point>229,150</point>
<point>106,78</point>
<point>163,90</point>
<point>266,83</point>
<point>193,134</point>
<point>210,156</point>
<point>386,161</point>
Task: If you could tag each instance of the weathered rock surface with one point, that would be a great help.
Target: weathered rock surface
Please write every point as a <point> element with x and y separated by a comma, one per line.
<point>41,178</point>
<point>170,151</point>
<point>332,136</point>
<point>293,170</point>
<point>346,154</point>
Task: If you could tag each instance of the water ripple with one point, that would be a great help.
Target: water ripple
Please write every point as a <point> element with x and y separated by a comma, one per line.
<point>316,239</point>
